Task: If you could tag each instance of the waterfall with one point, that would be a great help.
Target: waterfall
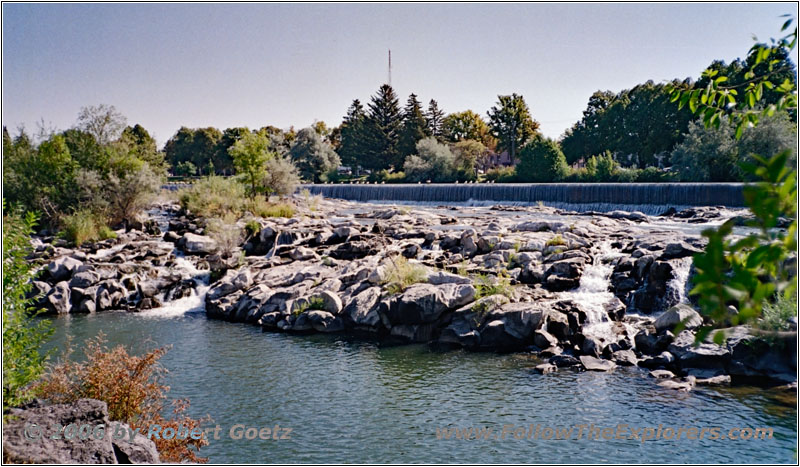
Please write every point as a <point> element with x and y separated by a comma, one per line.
<point>653,198</point>
<point>678,287</point>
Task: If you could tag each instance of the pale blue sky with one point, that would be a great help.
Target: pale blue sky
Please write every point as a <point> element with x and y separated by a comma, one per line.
<point>290,64</point>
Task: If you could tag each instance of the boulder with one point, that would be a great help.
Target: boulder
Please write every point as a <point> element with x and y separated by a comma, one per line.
<point>595,364</point>
<point>678,250</point>
<point>62,268</point>
<point>545,368</point>
<point>141,450</point>
<point>323,321</point>
<point>331,301</point>
<point>231,282</point>
<point>625,357</point>
<point>704,355</point>
<point>58,300</point>
<point>544,339</point>
<point>677,314</point>
<point>84,279</point>
<point>425,303</point>
<point>302,253</point>
<point>685,385</point>
<point>662,374</point>
<point>362,310</point>
<point>194,244</point>
<point>443,277</point>
<point>562,361</point>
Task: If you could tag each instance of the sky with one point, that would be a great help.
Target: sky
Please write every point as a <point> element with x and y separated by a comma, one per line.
<point>170,65</point>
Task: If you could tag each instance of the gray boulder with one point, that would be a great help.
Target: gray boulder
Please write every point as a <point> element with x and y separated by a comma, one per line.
<point>705,355</point>
<point>595,364</point>
<point>58,300</point>
<point>194,244</point>
<point>677,314</point>
<point>425,303</point>
<point>362,310</point>
<point>62,268</point>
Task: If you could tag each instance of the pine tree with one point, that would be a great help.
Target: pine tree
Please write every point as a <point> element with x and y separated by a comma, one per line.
<point>384,123</point>
<point>435,117</point>
<point>415,126</point>
<point>353,134</point>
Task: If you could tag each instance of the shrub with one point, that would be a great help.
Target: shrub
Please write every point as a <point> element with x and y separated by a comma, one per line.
<point>131,386</point>
<point>226,234</point>
<point>707,154</point>
<point>557,240</point>
<point>602,168</point>
<point>186,169</point>
<point>500,174</point>
<point>281,176</point>
<point>213,197</point>
<point>22,335</point>
<point>85,226</point>
<point>129,192</point>
<point>252,227</point>
<point>434,161</point>
<point>655,175</point>
<point>387,176</point>
<point>264,208</point>
<point>541,160</point>
<point>400,274</point>
<point>775,315</point>
<point>313,155</point>
<point>486,285</point>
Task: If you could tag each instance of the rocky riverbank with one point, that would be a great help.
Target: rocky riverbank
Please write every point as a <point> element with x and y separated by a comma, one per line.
<point>589,291</point>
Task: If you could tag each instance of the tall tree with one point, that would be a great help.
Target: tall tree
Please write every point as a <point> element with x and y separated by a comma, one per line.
<point>511,123</point>
<point>384,123</point>
<point>223,163</point>
<point>414,126</point>
<point>102,121</point>
<point>541,160</point>
<point>435,117</point>
<point>313,156</point>
<point>142,146</point>
<point>250,155</point>
<point>467,125</point>
<point>353,134</point>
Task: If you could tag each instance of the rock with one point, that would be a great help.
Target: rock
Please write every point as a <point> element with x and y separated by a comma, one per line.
<point>302,253</point>
<point>194,244</point>
<point>17,448</point>
<point>231,282</point>
<point>62,268</point>
<point>685,385</point>
<point>592,347</point>
<point>83,279</point>
<point>595,364</point>
<point>625,357</point>
<point>702,356</point>
<point>719,380</point>
<point>678,250</point>
<point>564,275</point>
<point>331,301</point>
<point>664,359</point>
<point>545,368</point>
<point>323,321</point>
<point>58,300</point>
<point>362,310</point>
<point>649,343</point>
<point>353,250</point>
<point>662,374</point>
<point>562,361</point>
<point>425,303</point>
<point>677,314</point>
<point>558,325</point>
<point>443,277</point>
<point>141,450</point>
<point>544,339</point>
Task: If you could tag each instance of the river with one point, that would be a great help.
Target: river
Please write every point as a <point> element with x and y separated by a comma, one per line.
<point>350,400</point>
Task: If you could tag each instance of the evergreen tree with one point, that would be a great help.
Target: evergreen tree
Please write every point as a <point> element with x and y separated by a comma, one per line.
<point>384,123</point>
<point>415,126</point>
<point>353,134</point>
<point>435,117</point>
<point>511,123</point>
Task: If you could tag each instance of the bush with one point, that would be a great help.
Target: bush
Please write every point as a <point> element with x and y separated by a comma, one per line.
<point>186,169</point>
<point>775,315</point>
<point>263,208</point>
<point>655,175</point>
<point>226,234</point>
<point>22,335</point>
<point>133,389</point>
<point>486,286</point>
<point>400,274</point>
<point>602,168</point>
<point>500,175</point>
<point>213,197</point>
<point>541,160</point>
<point>84,226</point>
<point>281,177</point>
<point>313,155</point>
<point>387,176</point>
<point>434,161</point>
<point>557,240</point>
<point>707,154</point>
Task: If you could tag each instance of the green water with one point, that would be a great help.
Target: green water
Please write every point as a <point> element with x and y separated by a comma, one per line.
<point>354,401</point>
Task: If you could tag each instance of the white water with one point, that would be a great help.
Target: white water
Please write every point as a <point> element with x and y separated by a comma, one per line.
<point>679,284</point>
<point>196,302</point>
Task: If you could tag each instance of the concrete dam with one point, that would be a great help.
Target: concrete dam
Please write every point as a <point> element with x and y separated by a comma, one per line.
<point>650,198</point>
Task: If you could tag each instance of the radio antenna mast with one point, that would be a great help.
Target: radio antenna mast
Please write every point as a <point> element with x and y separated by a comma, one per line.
<point>390,67</point>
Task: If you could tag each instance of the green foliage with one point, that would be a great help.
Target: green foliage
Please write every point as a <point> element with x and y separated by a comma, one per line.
<point>382,132</point>
<point>415,127</point>
<point>102,121</point>
<point>434,162</point>
<point>486,285</point>
<point>748,271</point>
<point>400,274</point>
<point>640,123</point>
<point>467,125</point>
<point>768,72</point>
<point>602,168</point>
<point>213,197</point>
<point>557,240</point>
<point>267,209</point>
<point>281,177</point>
<point>252,227</point>
<point>352,134</point>
<point>469,154</point>
<point>84,226</point>
<point>775,314</point>
<point>23,336</point>
<point>435,118</point>
<point>511,123</point>
<point>250,155</point>
<point>541,160</point>
<point>313,156</point>
<point>316,303</point>
<point>501,175</point>
<point>387,176</point>
<point>186,169</point>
